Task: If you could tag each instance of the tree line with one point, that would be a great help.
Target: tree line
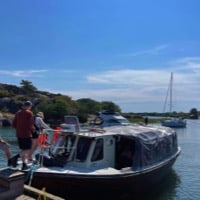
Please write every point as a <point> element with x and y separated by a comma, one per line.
<point>56,106</point>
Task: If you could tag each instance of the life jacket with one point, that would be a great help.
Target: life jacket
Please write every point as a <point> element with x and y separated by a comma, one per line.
<point>43,139</point>
<point>56,134</point>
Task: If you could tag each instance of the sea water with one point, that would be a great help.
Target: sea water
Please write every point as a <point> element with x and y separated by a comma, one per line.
<point>183,182</point>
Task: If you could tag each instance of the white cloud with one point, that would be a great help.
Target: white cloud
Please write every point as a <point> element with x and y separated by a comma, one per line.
<point>191,64</point>
<point>129,77</point>
<point>130,87</point>
<point>153,51</point>
<point>22,73</point>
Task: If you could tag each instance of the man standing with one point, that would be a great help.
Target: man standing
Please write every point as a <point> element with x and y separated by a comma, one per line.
<point>24,124</point>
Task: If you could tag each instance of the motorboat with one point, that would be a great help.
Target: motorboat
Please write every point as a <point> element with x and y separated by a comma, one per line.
<point>106,118</point>
<point>174,123</point>
<point>112,160</point>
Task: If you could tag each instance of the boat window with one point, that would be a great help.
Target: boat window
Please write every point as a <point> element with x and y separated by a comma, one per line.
<point>69,142</point>
<point>63,145</point>
<point>72,120</point>
<point>83,148</point>
<point>98,150</point>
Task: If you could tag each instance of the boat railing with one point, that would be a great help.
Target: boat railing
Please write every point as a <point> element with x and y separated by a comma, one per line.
<point>54,143</point>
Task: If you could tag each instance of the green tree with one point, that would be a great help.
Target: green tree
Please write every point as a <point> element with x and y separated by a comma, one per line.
<point>55,112</point>
<point>194,113</point>
<point>110,106</point>
<point>57,108</point>
<point>28,86</point>
<point>5,93</point>
<point>70,104</point>
<point>88,106</point>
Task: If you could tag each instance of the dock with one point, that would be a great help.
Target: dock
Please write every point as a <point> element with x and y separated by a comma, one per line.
<point>12,187</point>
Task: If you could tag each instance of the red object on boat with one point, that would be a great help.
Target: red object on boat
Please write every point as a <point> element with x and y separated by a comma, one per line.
<point>43,139</point>
<point>55,133</point>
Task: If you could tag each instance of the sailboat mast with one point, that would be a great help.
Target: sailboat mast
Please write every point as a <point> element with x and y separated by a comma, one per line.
<point>171,85</point>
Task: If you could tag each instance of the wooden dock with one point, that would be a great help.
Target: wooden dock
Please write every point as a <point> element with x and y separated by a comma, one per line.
<point>31,193</point>
<point>12,187</point>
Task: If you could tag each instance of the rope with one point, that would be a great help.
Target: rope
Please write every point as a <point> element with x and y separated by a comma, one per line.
<point>31,171</point>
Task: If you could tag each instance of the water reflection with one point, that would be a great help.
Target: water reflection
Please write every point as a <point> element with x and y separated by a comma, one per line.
<point>164,191</point>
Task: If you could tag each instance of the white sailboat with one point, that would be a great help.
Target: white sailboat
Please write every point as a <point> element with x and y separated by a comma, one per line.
<point>176,122</point>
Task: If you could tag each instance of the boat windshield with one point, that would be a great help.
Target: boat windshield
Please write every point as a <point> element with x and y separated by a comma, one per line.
<point>82,150</point>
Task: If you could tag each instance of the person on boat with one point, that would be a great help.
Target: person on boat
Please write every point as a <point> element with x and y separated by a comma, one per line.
<point>4,146</point>
<point>146,120</point>
<point>23,122</point>
<point>40,125</point>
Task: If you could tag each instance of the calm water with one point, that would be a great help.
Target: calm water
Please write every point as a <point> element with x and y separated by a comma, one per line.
<point>183,183</point>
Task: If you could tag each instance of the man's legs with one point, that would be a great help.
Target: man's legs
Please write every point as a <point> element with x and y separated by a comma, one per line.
<point>25,145</point>
<point>34,147</point>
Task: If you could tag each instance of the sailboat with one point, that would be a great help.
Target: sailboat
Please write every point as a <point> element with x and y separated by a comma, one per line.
<point>176,122</point>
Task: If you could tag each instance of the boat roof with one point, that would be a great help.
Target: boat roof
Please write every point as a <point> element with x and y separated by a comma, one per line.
<point>137,131</point>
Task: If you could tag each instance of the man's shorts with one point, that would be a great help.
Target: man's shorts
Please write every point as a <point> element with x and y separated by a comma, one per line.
<point>25,143</point>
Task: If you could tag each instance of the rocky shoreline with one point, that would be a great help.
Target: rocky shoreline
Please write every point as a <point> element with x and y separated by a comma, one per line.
<point>6,119</point>
<point>4,122</point>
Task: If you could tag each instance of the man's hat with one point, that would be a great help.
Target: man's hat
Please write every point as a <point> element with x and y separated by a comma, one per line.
<point>28,103</point>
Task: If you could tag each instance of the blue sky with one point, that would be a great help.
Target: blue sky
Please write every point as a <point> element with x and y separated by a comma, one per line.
<point>109,50</point>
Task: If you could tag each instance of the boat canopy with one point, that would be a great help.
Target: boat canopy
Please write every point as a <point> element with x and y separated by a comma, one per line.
<point>152,145</point>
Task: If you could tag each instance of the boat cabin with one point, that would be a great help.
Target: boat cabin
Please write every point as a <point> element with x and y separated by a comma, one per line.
<point>115,147</point>
<point>95,148</point>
